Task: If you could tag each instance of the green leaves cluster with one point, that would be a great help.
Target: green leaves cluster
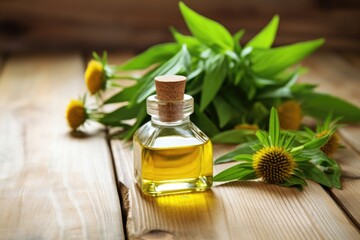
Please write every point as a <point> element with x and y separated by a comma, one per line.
<point>310,162</point>
<point>232,83</point>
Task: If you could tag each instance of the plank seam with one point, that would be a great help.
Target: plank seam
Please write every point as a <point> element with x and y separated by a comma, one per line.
<point>119,187</point>
<point>342,207</point>
<point>348,143</point>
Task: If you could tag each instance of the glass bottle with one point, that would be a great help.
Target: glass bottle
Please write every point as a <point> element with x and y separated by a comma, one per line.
<point>171,154</point>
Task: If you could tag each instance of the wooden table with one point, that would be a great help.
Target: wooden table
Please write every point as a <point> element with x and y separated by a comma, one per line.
<point>58,185</point>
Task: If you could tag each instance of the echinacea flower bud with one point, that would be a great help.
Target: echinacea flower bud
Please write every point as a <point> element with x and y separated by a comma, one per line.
<point>94,76</point>
<point>75,113</point>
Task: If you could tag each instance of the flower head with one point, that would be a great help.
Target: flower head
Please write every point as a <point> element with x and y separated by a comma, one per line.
<point>330,147</point>
<point>273,164</point>
<point>290,115</point>
<point>277,158</point>
<point>95,76</point>
<point>328,127</point>
<point>75,113</point>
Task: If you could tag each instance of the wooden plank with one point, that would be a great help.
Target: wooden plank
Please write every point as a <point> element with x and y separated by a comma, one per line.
<point>334,75</point>
<point>352,135</point>
<point>349,161</point>
<point>250,210</point>
<point>349,199</point>
<point>53,184</point>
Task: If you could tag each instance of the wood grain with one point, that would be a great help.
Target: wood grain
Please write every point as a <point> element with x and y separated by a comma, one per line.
<point>352,136</point>
<point>349,199</point>
<point>250,210</point>
<point>334,75</point>
<point>349,160</point>
<point>53,184</point>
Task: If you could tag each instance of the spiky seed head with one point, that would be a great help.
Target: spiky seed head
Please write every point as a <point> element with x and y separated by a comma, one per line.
<point>273,164</point>
<point>290,115</point>
<point>330,147</point>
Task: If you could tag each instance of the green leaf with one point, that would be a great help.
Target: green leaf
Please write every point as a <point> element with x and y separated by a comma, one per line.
<point>213,80</point>
<point>237,37</point>
<point>124,95</point>
<point>263,138</point>
<point>173,66</point>
<point>327,165</point>
<point>204,122</point>
<point>156,54</point>
<point>294,181</point>
<point>301,89</point>
<point>248,86</point>
<point>319,105</point>
<point>302,159</point>
<point>235,136</point>
<point>313,173</point>
<point>206,30</point>
<point>283,138</point>
<point>269,62</point>
<point>274,129</point>
<point>266,37</point>
<point>245,158</point>
<point>282,92</point>
<point>258,112</point>
<point>289,142</point>
<point>245,148</point>
<point>117,124</point>
<point>139,121</point>
<point>189,41</point>
<point>122,113</point>
<point>318,142</point>
<point>236,172</point>
<point>223,110</point>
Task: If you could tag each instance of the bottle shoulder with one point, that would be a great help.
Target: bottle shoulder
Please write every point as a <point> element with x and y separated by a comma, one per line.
<point>153,135</point>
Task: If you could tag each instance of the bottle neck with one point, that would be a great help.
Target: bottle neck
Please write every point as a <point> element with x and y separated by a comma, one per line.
<point>156,120</point>
<point>170,113</point>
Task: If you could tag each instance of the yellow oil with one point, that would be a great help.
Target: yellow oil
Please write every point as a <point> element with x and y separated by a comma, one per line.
<point>173,165</point>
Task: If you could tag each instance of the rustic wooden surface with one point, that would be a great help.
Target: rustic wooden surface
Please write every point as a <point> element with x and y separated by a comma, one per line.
<point>348,199</point>
<point>57,185</point>
<point>53,184</point>
<point>250,210</point>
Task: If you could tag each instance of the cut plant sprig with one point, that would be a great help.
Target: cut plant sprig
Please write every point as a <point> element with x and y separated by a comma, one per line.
<point>275,159</point>
<point>329,126</point>
<point>232,83</point>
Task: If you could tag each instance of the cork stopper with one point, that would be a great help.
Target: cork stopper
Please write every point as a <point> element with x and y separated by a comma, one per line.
<point>170,91</point>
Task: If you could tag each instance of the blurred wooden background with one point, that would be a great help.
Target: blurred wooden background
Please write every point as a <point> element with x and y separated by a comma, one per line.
<point>33,25</point>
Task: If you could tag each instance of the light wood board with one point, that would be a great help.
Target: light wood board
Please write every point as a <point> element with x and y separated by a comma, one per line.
<point>53,184</point>
<point>349,198</point>
<point>250,210</point>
